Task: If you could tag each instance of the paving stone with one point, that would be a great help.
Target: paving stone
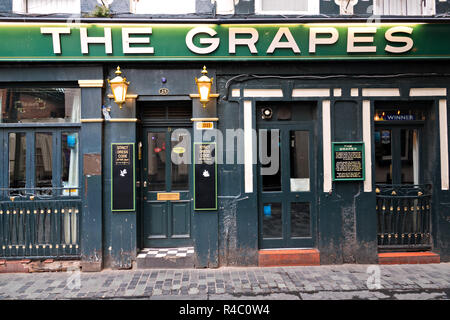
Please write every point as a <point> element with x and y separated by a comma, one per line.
<point>321,282</point>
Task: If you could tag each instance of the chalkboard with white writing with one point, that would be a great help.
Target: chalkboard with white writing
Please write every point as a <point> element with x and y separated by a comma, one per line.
<point>205,176</point>
<point>122,177</point>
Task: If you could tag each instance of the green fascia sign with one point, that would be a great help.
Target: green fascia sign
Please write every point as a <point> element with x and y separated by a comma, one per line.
<point>210,42</point>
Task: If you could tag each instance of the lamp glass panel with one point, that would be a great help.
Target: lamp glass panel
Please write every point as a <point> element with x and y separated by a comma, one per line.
<point>118,91</point>
<point>204,90</point>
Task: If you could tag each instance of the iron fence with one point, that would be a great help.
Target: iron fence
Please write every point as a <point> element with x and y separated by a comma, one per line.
<point>404,216</point>
<point>39,226</point>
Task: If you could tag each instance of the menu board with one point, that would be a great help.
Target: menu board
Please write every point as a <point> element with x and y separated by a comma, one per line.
<point>205,176</point>
<point>122,177</point>
<point>348,161</point>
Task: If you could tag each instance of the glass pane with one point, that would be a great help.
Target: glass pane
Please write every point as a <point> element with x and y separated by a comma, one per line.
<point>299,157</point>
<point>17,160</point>
<point>29,105</point>
<point>284,5</point>
<point>43,161</point>
<point>69,163</point>
<point>300,219</point>
<point>180,169</point>
<point>70,226</point>
<point>270,182</point>
<point>272,222</point>
<point>156,142</point>
<point>410,156</point>
<point>55,6</point>
<point>383,156</point>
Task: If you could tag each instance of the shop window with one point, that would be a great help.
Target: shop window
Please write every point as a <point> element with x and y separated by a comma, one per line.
<point>162,7</point>
<point>33,167</point>
<point>17,159</point>
<point>287,7</point>
<point>46,6</point>
<point>69,163</point>
<point>404,7</point>
<point>156,160</point>
<point>43,153</point>
<point>43,105</point>
<point>299,153</point>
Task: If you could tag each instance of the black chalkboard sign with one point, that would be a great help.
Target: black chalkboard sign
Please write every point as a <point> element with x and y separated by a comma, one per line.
<point>122,177</point>
<point>205,176</point>
<point>348,161</point>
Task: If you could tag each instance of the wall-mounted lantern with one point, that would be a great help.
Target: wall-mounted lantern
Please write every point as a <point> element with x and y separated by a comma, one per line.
<point>204,84</point>
<point>119,87</point>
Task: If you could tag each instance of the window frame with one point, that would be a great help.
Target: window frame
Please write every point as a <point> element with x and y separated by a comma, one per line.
<point>426,11</point>
<point>30,130</point>
<point>20,6</point>
<point>30,162</point>
<point>192,4</point>
<point>313,9</point>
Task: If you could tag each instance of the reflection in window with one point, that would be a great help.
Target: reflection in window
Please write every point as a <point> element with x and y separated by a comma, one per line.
<point>404,7</point>
<point>300,219</point>
<point>163,7</point>
<point>43,161</point>
<point>272,220</point>
<point>270,182</point>
<point>156,161</point>
<point>69,163</point>
<point>180,170</point>
<point>383,156</point>
<point>50,105</point>
<point>299,152</point>
<point>46,6</point>
<point>410,156</point>
<point>17,159</point>
<point>287,6</point>
<point>70,226</point>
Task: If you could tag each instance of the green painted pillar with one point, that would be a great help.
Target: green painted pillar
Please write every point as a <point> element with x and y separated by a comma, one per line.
<point>205,222</point>
<point>91,147</point>
<point>119,226</point>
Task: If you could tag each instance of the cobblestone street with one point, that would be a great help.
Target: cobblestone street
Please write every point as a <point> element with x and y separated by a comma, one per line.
<point>430,281</point>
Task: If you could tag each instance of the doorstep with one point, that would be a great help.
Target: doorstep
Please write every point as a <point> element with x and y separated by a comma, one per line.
<point>288,257</point>
<point>165,258</point>
<point>408,258</point>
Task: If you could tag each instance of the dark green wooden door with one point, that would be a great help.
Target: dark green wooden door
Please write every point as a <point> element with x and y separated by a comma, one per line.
<point>166,223</point>
<point>287,196</point>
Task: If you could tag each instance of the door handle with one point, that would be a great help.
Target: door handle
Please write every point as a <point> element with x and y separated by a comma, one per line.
<point>140,150</point>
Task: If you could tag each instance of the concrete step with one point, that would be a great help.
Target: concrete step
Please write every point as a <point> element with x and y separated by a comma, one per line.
<point>165,258</point>
<point>289,257</point>
<point>408,258</point>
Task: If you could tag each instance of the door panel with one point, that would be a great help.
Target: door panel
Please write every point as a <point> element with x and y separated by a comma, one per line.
<point>155,221</point>
<point>181,219</point>
<point>166,223</point>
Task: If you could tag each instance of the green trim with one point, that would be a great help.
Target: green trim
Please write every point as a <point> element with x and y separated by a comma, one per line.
<point>134,177</point>
<point>333,149</point>
<point>169,42</point>
<point>215,169</point>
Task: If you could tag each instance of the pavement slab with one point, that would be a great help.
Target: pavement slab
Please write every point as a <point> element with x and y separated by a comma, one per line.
<point>337,282</point>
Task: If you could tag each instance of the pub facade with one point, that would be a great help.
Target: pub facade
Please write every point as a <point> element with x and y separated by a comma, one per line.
<point>231,133</point>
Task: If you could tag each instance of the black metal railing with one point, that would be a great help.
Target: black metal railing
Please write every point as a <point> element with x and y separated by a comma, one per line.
<point>38,225</point>
<point>404,216</point>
